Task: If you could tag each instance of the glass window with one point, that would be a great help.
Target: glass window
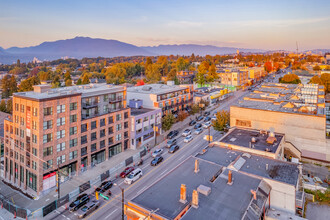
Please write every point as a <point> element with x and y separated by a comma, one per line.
<point>73,142</point>
<point>34,165</point>
<point>73,155</point>
<point>48,151</point>
<point>84,127</point>
<point>34,125</point>
<point>60,147</point>
<point>102,122</point>
<point>60,159</point>
<point>118,117</point>
<point>126,115</point>
<point>102,144</point>
<point>61,121</point>
<point>34,111</point>
<point>93,136</point>
<point>48,111</point>
<point>34,138</point>
<point>73,130</point>
<point>93,124</point>
<point>118,127</point>
<point>60,108</point>
<point>73,118</point>
<point>118,137</point>
<point>73,106</point>
<point>48,124</point>
<point>34,151</point>
<point>102,133</point>
<point>60,134</point>
<point>83,151</point>
<point>110,120</point>
<point>93,147</point>
<point>48,164</point>
<point>84,139</point>
<point>47,138</point>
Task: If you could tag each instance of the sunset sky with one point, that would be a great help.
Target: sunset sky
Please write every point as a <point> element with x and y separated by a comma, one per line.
<point>260,24</point>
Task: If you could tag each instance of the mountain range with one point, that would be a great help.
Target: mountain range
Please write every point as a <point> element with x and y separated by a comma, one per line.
<point>80,47</point>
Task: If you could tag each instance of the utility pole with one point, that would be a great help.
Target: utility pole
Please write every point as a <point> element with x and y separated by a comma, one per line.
<point>209,134</point>
<point>58,182</point>
<point>122,201</point>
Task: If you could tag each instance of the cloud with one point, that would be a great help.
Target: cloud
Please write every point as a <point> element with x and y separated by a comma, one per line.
<point>183,24</point>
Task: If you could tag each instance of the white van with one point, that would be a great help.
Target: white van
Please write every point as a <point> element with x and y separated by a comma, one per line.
<point>133,176</point>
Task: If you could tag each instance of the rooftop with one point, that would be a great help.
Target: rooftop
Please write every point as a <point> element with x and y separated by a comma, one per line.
<point>155,89</point>
<point>243,138</point>
<point>85,91</point>
<point>140,111</point>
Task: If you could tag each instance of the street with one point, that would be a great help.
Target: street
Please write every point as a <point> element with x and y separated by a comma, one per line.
<point>111,209</point>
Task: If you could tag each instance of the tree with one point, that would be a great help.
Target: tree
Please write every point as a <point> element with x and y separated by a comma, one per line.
<point>182,64</point>
<point>325,78</point>
<point>67,76</point>
<point>182,115</point>
<point>44,76</point>
<point>9,86</point>
<point>195,109</point>
<point>317,68</point>
<point>9,107</point>
<point>85,79</point>
<point>167,121</point>
<point>56,82</point>
<point>3,106</point>
<point>316,80</point>
<point>27,85</point>
<point>79,81</point>
<point>176,80</point>
<point>268,66</point>
<point>290,79</point>
<point>200,76</point>
<point>153,72</point>
<point>68,82</point>
<point>212,74</point>
<point>222,120</point>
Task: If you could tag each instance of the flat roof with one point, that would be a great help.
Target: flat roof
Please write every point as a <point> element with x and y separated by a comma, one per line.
<point>242,137</point>
<point>225,201</point>
<point>85,91</point>
<point>140,111</point>
<point>155,89</point>
<point>273,169</point>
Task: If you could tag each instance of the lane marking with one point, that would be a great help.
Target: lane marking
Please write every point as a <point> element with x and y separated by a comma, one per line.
<point>145,166</point>
<point>64,216</point>
<point>182,157</point>
<point>163,172</point>
<point>111,213</point>
<point>141,190</point>
<point>47,199</point>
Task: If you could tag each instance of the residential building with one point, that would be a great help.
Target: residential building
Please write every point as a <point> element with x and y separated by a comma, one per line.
<point>296,110</point>
<point>255,73</point>
<point>233,77</point>
<point>170,98</point>
<point>186,77</point>
<point>70,129</point>
<point>145,124</point>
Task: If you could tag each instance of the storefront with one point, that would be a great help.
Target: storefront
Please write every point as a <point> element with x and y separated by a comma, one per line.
<point>97,158</point>
<point>49,180</point>
<point>115,149</point>
<point>68,171</point>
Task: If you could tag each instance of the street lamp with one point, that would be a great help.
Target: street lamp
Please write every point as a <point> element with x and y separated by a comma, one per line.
<point>122,201</point>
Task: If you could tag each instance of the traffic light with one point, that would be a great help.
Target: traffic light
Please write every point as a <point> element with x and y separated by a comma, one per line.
<point>97,195</point>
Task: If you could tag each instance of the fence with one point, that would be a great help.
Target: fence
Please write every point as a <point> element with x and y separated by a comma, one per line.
<point>10,207</point>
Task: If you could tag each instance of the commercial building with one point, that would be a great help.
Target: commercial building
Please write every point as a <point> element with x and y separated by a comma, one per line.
<point>186,77</point>
<point>233,77</point>
<point>255,73</point>
<point>145,124</point>
<point>298,111</point>
<point>170,98</point>
<point>70,129</point>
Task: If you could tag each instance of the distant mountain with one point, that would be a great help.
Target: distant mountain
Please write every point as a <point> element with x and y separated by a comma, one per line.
<point>80,47</point>
<point>202,50</point>
<point>318,51</point>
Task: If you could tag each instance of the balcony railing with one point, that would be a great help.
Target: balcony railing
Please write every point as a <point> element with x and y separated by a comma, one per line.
<point>89,105</point>
<point>116,99</point>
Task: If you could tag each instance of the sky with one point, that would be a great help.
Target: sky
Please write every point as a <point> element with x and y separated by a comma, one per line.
<point>258,24</point>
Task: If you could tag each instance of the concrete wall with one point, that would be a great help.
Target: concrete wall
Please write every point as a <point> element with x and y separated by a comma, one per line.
<point>306,132</point>
<point>148,99</point>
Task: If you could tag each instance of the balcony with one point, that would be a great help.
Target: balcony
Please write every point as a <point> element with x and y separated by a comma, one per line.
<point>88,105</point>
<point>116,99</point>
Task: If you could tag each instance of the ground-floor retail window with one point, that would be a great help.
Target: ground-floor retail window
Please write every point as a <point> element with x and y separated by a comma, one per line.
<point>31,180</point>
<point>98,157</point>
<point>115,149</point>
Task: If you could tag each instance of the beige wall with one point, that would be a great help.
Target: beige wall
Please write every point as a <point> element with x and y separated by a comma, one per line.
<point>306,132</point>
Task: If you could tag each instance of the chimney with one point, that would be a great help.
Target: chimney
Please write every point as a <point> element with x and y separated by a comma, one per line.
<point>196,166</point>
<point>230,178</point>
<point>183,194</point>
<point>194,202</point>
<point>41,88</point>
<point>254,193</point>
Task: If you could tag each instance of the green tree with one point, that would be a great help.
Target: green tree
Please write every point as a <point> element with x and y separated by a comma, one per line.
<point>195,109</point>
<point>27,85</point>
<point>182,64</point>
<point>167,122</point>
<point>176,80</point>
<point>68,82</point>
<point>79,81</point>
<point>222,120</point>
<point>153,72</point>
<point>85,79</point>
<point>9,107</point>
<point>3,106</point>
<point>56,82</point>
<point>67,76</point>
<point>200,76</point>
<point>43,76</point>
<point>9,86</point>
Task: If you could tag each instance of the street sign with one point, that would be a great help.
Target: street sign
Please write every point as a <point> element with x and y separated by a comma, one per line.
<point>105,197</point>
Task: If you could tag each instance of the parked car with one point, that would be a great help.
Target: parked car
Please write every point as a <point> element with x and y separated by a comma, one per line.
<point>206,113</point>
<point>78,202</point>
<point>157,152</point>
<point>199,118</point>
<point>199,125</point>
<point>188,139</point>
<point>172,134</point>
<point>133,176</point>
<point>207,119</point>
<point>186,133</point>
<point>126,172</point>
<point>193,122</point>
<point>207,124</point>
<point>170,142</point>
<point>198,130</point>
<point>156,161</point>
<point>173,149</point>
<point>88,208</point>
<point>104,186</point>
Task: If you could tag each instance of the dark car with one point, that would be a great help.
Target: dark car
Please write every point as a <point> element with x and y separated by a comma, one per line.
<point>104,186</point>
<point>206,113</point>
<point>200,118</point>
<point>79,202</point>
<point>126,172</point>
<point>170,142</point>
<point>156,161</point>
<point>199,125</point>
<point>173,149</point>
<point>193,122</point>
<point>172,134</point>
<point>206,119</point>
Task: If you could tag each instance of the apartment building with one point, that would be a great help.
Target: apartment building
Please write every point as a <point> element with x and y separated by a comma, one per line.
<point>70,129</point>
<point>170,98</point>
<point>298,111</point>
<point>233,77</point>
<point>255,73</point>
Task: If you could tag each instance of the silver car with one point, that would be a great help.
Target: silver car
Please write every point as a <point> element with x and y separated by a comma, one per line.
<point>87,209</point>
<point>157,152</point>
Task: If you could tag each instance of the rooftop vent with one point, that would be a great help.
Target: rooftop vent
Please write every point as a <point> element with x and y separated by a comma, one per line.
<point>205,190</point>
<point>183,194</point>
<point>230,178</point>
<point>146,88</point>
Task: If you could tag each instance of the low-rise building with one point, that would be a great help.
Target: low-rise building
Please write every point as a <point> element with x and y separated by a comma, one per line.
<point>186,77</point>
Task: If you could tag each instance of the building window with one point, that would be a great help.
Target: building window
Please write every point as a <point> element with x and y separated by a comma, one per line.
<point>93,125</point>
<point>48,151</point>
<point>126,115</point>
<point>73,155</point>
<point>83,139</point>
<point>34,125</point>
<point>60,134</point>
<point>118,137</point>
<point>83,151</point>
<point>110,141</point>
<point>152,116</point>
<point>145,119</point>
<point>60,159</point>
<point>105,108</point>
<point>21,174</point>
<point>102,133</point>
<point>60,108</point>
<point>22,108</point>
<point>34,165</point>
<point>102,144</point>
<point>138,121</point>
<point>93,136</point>
<point>110,130</point>
<point>21,158</point>
<point>60,147</point>
<point>61,121</point>
<point>48,124</point>
<point>16,107</point>
<point>73,118</point>
<point>118,127</point>
<point>34,111</point>
<point>31,180</point>
<point>244,123</point>
<point>48,111</point>
<point>34,151</point>
<point>16,119</point>
<point>93,147</point>
<point>110,120</point>
<point>48,164</point>
<point>118,117</point>
<point>47,138</point>
<point>73,130</point>
<point>22,121</point>
<point>102,122</point>
<point>126,134</point>
<point>34,138</point>
<point>73,106</point>
<point>73,142</point>
<point>105,98</point>
<point>126,125</point>
<point>83,128</point>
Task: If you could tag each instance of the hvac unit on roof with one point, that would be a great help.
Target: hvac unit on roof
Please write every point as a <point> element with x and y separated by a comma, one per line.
<point>146,88</point>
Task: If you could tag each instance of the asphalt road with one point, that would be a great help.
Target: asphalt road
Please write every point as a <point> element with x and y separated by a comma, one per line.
<point>111,209</point>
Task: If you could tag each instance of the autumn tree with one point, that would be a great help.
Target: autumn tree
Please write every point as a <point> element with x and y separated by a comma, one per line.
<point>182,115</point>
<point>200,76</point>
<point>195,109</point>
<point>212,74</point>
<point>56,82</point>
<point>222,120</point>
<point>317,68</point>
<point>85,79</point>
<point>27,85</point>
<point>116,74</point>
<point>325,78</point>
<point>153,73</point>
<point>167,122</point>
<point>9,106</point>
<point>3,106</point>
<point>290,79</point>
<point>268,67</point>
<point>316,80</point>
<point>182,64</point>
<point>9,86</point>
<point>67,79</point>
<point>163,65</point>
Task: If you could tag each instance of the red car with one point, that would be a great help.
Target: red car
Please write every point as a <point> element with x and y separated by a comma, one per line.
<point>126,172</point>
